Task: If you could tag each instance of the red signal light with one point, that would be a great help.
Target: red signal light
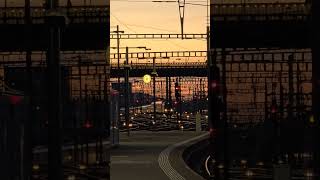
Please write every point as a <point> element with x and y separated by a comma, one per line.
<point>214,84</point>
<point>87,125</point>
<point>213,132</point>
<point>15,99</point>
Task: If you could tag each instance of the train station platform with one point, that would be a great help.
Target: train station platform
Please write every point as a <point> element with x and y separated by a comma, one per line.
<point>153,155</point>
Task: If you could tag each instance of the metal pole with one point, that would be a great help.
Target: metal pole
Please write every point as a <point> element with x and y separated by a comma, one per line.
<point>80,80</point>
<point>290,104</point>
<point>225,118</point>
<point>316,76</point>
<point>127,91</point>
<point>210,95</point>
<point>169,93</point>
<point>27,126</point>
<point>154,74</point>
<point>54,95</point>
<point>118,52</point>
<point>5,8</point>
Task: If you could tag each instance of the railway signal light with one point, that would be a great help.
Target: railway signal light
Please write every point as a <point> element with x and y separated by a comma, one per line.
<point>213,96</point>
<point>177,90</point>
<point>14,100</point>
<point>214,79</point>
<point>214,84</point>
<point>87,125</point>
<point>274,108</point>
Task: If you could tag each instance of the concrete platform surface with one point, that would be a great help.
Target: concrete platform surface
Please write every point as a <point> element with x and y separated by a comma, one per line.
<point>141,154</point>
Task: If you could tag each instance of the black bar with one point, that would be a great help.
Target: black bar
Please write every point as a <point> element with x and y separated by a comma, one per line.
<point>315,38</point>
<point>54,94</point>
<point>27,133</point>
<point>126,93</point>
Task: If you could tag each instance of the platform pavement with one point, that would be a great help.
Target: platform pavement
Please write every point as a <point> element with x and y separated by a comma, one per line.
<point>138,156</point>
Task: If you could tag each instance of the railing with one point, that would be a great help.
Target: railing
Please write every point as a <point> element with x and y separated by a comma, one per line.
<point>76,14</point>
<point>260,9</point>
<point>163,65</point>
<point>159,36</point>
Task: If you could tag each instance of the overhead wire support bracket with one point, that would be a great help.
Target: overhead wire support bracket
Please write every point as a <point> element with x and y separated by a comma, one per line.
<point>181,4</point>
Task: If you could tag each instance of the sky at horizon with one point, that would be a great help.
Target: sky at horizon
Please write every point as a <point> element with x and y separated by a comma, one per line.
<point>145,16</point>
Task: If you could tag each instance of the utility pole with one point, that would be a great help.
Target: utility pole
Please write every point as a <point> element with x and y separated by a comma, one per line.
<point>126,93</point>
<point>55,21</point>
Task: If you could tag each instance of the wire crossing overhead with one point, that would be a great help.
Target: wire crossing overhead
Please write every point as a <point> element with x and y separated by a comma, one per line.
<point>159,36</point>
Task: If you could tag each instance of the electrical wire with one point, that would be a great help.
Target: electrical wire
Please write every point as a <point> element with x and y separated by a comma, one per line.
<point>122,23</point>
<point>152,27</point>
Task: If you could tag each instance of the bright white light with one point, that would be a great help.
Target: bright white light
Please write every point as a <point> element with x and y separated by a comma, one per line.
<point>249,173</point>
<point>260,163</point>
<point>243,161</point>
<point>71,177</point>
<point>308,173</point>
<point>36,167</point>
<point>82,167</point>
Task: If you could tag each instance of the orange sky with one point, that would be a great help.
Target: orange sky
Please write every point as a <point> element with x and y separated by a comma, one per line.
<point>148,17</point>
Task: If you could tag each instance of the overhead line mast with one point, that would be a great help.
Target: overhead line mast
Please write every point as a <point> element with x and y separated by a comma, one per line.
<point>181,4</point>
